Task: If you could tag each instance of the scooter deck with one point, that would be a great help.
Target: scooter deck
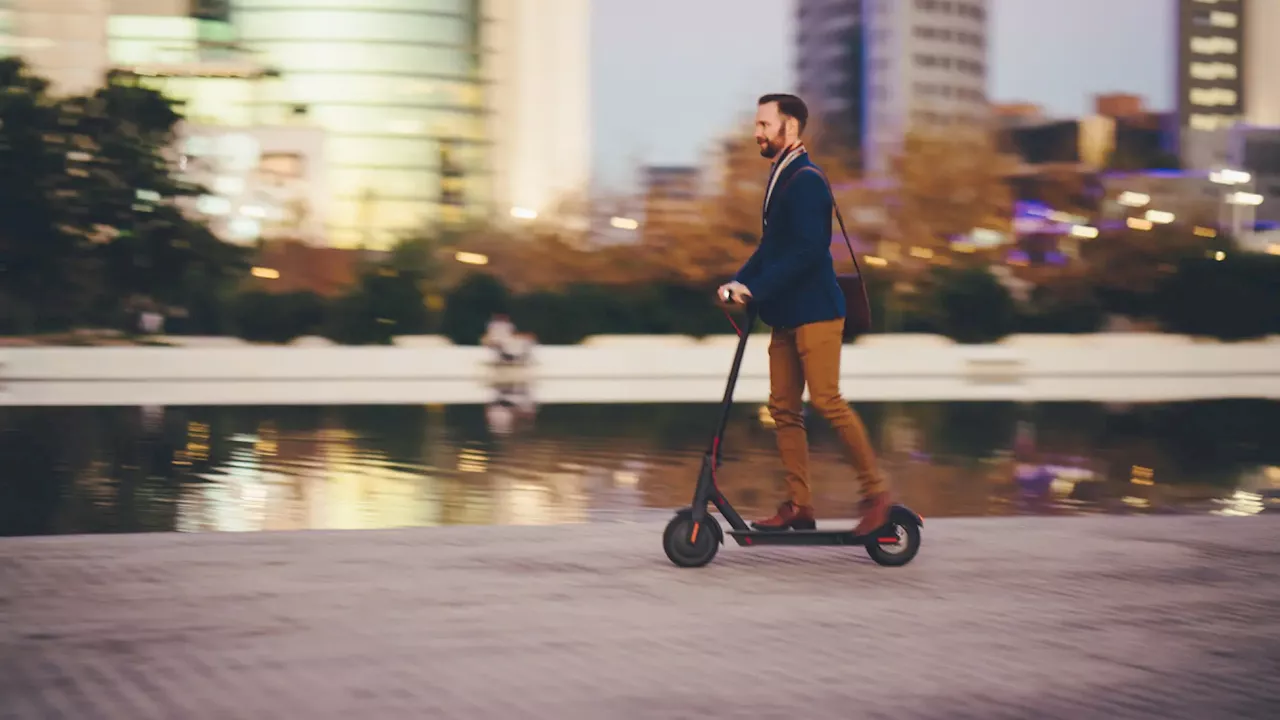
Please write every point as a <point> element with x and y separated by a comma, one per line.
<point>808,537</point>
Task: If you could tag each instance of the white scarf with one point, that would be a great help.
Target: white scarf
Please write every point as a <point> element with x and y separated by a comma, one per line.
<point>792,153</point>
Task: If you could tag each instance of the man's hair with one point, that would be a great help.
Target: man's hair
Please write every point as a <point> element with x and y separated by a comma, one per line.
<point>788,105</point>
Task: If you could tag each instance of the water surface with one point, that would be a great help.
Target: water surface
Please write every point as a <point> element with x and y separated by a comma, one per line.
<point>244,468</point>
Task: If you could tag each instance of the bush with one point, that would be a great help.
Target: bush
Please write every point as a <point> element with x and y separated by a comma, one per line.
<point>1237,298</point>
<point>1050,312</point>
<point>468,307</point>
<point>385,304</point>
<point>969,306</point>
<point>581,310</point>
<point>277,318</point>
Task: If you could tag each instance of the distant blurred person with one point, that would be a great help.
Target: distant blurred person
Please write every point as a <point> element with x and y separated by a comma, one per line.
<point>501,336</point>
<point>513,402</point>
<point>791,281</point>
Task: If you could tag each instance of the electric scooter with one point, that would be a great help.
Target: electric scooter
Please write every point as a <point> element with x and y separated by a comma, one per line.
<point>694,536</point>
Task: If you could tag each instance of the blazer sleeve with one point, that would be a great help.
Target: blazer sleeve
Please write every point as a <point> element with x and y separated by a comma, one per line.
<point>808,234</point>
<point>749,268</point>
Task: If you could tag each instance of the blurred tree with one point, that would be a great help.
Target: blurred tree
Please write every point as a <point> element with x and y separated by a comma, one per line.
<point>384,304</point>
<point>941,185</point>
<point>90,226</point>
<point>47,276</point>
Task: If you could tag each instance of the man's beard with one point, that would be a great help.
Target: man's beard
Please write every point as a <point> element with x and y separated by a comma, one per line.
<point>772,146</point>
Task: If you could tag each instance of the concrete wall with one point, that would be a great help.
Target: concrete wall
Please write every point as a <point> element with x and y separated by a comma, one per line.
<point>652,357</point>
<point>424,370</point>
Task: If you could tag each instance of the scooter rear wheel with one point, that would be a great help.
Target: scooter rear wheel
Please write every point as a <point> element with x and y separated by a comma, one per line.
<point>686,548</point>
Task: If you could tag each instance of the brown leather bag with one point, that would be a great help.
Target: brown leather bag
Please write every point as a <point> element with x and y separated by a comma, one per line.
<point>857,305</point>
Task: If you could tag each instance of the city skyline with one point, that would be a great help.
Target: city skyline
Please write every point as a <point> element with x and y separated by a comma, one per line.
<point>666,108</point>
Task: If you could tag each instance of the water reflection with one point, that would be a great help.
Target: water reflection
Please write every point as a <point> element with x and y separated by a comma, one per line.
<point>128,469</point>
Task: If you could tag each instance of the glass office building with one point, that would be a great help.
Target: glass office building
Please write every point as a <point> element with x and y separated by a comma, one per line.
<point>195,62</point>
<point>397,86</point>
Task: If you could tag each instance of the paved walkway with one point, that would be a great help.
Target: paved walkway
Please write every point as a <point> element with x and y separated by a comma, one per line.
<point>1105,617</point>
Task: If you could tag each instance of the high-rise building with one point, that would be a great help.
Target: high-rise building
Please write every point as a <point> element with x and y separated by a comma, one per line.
<point>1211,53</point>
<point>1226,58</point>
<point>397,85</point>
<point>538,57</point>
<point>926,67</point>
<point>1261,58</point>
<point>262,165</point>
<point>829,67</point>
<point>64,41</point>
<point>194,59</point>
<point>872,69</point>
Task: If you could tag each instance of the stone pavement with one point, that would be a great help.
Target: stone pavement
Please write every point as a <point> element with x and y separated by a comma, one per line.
<point>1086,617</point>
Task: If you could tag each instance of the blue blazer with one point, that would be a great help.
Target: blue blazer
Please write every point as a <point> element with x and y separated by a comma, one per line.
<point>791,275</point>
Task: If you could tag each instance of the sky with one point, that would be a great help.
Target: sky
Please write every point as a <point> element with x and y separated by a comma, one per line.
<point>669,76</point>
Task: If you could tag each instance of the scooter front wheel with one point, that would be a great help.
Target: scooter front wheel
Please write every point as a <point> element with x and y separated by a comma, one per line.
<point>691,546</point>
<point>896,544</point>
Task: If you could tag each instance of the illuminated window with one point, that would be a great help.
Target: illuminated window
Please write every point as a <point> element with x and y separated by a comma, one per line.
<point>390,182</point>
<point>1213,71</point>
<point>1212,97</point>
<point>347,26</point>
<point>358,57</point>
<point>399,152</point>
<point>400,121</point>
<point>1201,121</point>
<point>1223,19</point>
<point>382,90</point>
<point>1213,45</point>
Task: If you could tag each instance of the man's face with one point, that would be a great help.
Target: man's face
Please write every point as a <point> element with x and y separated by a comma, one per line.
<point>771,130</point>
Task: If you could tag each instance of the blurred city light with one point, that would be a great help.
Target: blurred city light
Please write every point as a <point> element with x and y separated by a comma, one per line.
<point>1129,198</point>
<point>1219,256</point>
<point>922,253</point>
<point>1230,177</point>
<point>875,261</point>
<point>1066,217</point>
<point>524,213</point>
<point>1138,223</point>
<point>1244,198</point>
<point>266,273</point>
<point>1273,249</point>
<point>1159,216</point>
<point>470,258</point>
<point>1084,231</point>
<point>623,223</point>
<point>1205,232</point>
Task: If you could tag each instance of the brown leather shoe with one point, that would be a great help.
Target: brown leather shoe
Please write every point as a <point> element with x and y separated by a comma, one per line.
<point>875,513</point>
<point>789,517</point>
